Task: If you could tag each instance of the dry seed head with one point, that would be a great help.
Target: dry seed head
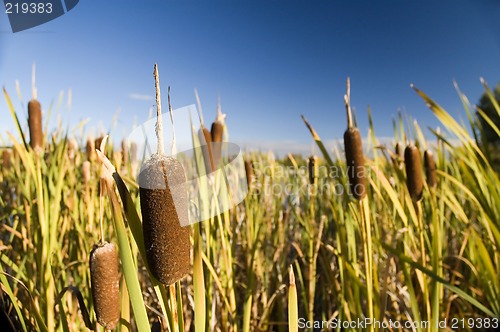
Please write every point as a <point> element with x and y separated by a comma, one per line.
<point>86,172</point>
<point>355,162</point>
<point>312,169</point>
<point>98,142</point>
<point>105,279</point>
<point>35,124</point>
<point>414,179</point>
<point>249,172</point>
<point>6,159</point>
<point>90,149</point>
<point>164,208</point>
<point>125,147</point>
<point>205,136</point>
<point>430,169</point>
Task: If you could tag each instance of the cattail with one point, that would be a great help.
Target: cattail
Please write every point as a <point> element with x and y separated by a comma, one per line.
<point>105,279</point>
<point>217,132</point>
<point>414,179</point>
<point>205,136</point>
<point>353,148</point>
<point>249,172</point>
<point>35,124</point>
<point>355,162</point>
<point>125,151</point>
<point>90,149</point>
<point>430,169</point>
<point>312,169</point>
<point>72,147</point>
<point>164,210</point>
<point>6,159</point>
<point>86,172</point>
<point>98,141</point>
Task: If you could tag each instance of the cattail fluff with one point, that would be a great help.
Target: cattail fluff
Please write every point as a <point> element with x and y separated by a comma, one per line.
<point>205,136</point>
<point>249,172</point>
<point>430,169</point>
<point>105,280</point>
<point>312,169</point>
<point>414,179</point>
<point>6,159</point>
<point>164,207</point>
<point>35,124</point>
<point>355,162</point>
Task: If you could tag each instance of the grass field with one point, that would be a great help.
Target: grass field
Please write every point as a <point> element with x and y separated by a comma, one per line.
<point>299,249</point>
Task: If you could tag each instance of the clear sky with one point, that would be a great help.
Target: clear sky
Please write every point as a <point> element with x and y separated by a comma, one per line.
<point>269,61</point>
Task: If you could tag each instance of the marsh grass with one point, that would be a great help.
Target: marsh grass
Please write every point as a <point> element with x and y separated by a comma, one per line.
<point>434,259</point>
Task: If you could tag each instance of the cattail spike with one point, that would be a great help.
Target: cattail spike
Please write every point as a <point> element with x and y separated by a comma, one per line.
<point>353,147</point>
<point>312,169</point>
<point>414,179</point>
<point>249,172</point>
<point>35,124</point>
<point>430,169</point>
<point>105,279</point>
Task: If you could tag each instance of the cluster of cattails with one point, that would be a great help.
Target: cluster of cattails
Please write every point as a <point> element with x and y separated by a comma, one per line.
<point>105,284</point>
<point>35,124</point>
<point>164,208</point>
<point>353,148</point>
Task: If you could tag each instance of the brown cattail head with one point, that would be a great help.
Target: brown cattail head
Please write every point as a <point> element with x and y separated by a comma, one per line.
<point>312,169</point>
<point>98,141</point>
<point>430,169</point>
<point>35,124</point>
<point>217,133</point>
<point>6,159</point>
<point>205,136</point>
<point>105,280</point>
<point>125,147</point>
<point>86,172</point>
<point>249,172</point>
<point>355,162</point>
<point>164,207</point>
<point>90,149</point>
<point>414,179</point>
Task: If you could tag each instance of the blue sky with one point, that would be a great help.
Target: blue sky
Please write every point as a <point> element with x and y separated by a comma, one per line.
<point>269,61</point>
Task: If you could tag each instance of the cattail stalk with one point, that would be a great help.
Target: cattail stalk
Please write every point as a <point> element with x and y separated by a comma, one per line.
<point>105,279</point>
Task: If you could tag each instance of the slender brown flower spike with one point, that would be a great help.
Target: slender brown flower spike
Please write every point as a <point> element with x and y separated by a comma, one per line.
<point>164,208</point>
<point>217,132</point>
<point>430,169</point>
<point>6,159</point>
<point>414,178</point>
<point>249,172</point>
<point>35,124</point>
<point>105,284</point>
<point>90,149</point>
<point>354,153</point>
<point>312,169</point>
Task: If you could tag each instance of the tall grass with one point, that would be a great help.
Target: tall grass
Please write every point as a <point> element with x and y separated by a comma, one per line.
<point>295,248</point>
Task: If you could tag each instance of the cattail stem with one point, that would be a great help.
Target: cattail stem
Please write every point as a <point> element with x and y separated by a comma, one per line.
<point>347,100</point>
<point>159,124</point>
